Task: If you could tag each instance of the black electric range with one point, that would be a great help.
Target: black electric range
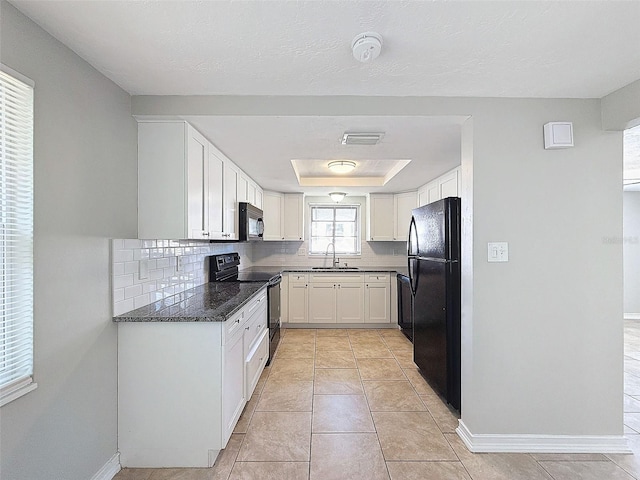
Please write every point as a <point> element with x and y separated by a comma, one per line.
<point>224,268</point>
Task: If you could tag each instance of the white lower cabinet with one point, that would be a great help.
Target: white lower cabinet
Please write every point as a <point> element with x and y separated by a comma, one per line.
<point>322,302</point>
<point>297,298</point>
<point>233,398</point>
<point>183,385</point>
<point>350,303</point>
<point>377,296</point>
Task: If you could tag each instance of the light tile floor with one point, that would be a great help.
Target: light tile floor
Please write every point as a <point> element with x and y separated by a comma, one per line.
<point>350,405</point>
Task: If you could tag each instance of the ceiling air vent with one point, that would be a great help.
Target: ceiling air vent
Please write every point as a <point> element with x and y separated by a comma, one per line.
<point>361,138</point>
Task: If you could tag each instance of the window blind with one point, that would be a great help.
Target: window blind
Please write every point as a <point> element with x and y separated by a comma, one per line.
<point>16,236</point>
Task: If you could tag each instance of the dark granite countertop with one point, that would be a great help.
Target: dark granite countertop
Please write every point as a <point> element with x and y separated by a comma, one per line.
<point>211,302</point>
<point>284,269</point>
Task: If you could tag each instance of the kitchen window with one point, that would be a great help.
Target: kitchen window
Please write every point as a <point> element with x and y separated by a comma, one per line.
<point>16,235</point>
<point>337,225</point>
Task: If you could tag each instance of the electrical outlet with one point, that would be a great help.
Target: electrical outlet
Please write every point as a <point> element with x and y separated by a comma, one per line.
<point>301,252</point>
<point>180,262</point>
<point>143,269</point>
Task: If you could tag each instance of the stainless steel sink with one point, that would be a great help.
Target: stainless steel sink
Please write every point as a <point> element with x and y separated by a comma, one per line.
<point>331,269</point>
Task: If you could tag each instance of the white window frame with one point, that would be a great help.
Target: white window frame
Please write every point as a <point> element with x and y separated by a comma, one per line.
<point>16,235</point>
<point>358,223</point>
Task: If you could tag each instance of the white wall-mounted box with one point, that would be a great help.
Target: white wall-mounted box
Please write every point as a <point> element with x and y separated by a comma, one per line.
<point>558,135</point>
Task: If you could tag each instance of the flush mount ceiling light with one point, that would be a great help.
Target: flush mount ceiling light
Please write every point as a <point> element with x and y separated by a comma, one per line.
<point>362,138</point>
<point>337,196</point>
<point>341,166</point>
<point>366,46</point>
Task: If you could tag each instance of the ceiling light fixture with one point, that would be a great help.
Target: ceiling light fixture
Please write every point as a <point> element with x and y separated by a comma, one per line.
<point>366,46</point>
<point>362,138</point>
<point>337,196</point>
<point>341,166</point>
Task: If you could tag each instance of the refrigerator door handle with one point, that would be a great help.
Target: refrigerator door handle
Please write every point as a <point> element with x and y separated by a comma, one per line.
<point>413,274</point>
<point>412,240</point>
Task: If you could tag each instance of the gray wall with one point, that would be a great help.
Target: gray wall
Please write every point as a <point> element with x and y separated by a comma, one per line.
<point>561,290</point>
<point>85,193</point>
<point>631,242</point>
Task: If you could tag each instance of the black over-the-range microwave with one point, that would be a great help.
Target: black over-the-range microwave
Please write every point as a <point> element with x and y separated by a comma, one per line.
<point>251,224</point>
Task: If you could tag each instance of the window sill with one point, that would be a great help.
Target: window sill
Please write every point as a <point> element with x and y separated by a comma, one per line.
<point>17,393</point>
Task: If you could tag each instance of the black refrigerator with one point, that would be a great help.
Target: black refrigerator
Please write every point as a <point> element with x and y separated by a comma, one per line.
<point>434,274</point>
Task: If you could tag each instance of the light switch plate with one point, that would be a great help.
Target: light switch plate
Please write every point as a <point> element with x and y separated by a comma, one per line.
<point>498,252</point>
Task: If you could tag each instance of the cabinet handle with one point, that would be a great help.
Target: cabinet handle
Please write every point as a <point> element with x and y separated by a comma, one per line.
<point>205,234</point>
<point>237,321</point>
<point>246,328</point>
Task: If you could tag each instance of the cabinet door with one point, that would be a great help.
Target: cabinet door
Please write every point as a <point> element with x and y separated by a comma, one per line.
<point>233,395</point>
<point>251,193</point>
<point>272,208</point>
<point>350,303</point>
<point>298,298</point>
<point>258,197</point>
<point>197,175</point>
<point>381,217</point>
<point>448,184</point>
<point>215,196</point>
<point>243,188</point>
<point>322,303</point>
<point>403,204</point>
<point>377,303</point>
<point>230,201</point>
<point>433,192</point>
<point>293,216</point>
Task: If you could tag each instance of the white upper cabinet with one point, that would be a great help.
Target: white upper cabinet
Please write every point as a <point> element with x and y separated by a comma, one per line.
<point>273,206</point>
<point>447,185</point>
<point>380,217</point>
<point>216,201</point>
<point>293,216</point>
<point>243,188</point>
<point>254,195</point>
<point>173,181</point>
<point>230,201</point>
<point>283,216</point>
<point>187,188</point>
<point>403,204</point>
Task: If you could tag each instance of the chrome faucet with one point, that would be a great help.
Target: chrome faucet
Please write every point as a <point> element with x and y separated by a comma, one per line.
<point>335,262</point>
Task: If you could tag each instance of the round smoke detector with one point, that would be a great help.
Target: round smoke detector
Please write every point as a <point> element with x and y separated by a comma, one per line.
<point>366,46</point>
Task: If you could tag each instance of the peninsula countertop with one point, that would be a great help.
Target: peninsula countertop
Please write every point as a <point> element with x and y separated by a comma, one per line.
<point>210,302</point>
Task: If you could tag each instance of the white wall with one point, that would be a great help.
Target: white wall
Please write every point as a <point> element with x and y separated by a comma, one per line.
<point>85,193</point>
<point>543,352</point>
<point>631,248</point>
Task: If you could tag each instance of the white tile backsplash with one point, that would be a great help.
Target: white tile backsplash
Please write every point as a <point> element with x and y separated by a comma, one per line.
<point>129,291</point>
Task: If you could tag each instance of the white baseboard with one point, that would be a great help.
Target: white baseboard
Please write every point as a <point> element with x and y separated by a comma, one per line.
<point>109,469</point>
<point>542,443</point>
<point>632,316</point>
<point>378,326</point>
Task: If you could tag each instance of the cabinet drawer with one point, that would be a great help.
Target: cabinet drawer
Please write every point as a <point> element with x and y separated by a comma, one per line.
<point>256,360</point>
<point>298,278</point>
<point>234,324</point>
<point>376,277</point>
<point>255,326</point>
<point>256,302</point>
<point>336,278</point>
